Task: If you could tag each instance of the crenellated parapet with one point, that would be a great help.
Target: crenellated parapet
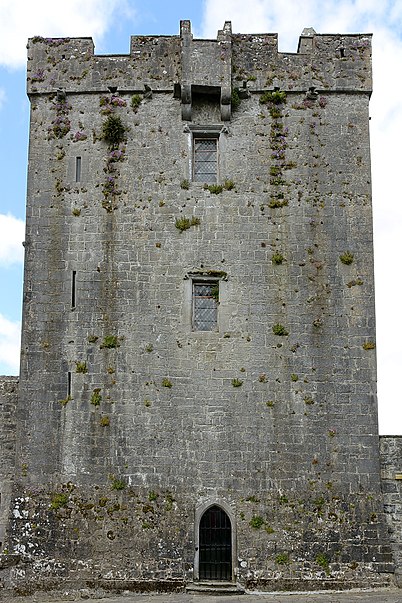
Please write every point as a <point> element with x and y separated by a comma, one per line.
<point>189,67</point>
<point>330,63</point>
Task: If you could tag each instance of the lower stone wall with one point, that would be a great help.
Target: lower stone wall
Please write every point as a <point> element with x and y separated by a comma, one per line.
<point>8,404</point>
<point>115,537</point>
<point>391,474</point>
<point>107,538</point>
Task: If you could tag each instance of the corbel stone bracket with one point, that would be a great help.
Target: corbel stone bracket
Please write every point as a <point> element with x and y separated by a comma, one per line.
<point>206,64</point>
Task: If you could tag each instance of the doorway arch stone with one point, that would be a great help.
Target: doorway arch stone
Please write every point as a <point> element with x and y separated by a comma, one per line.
<point>200,513</point>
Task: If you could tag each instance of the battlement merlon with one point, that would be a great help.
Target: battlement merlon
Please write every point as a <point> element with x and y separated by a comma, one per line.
<point>326,62</point>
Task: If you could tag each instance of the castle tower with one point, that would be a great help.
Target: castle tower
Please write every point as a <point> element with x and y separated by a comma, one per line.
<point>198,374</point>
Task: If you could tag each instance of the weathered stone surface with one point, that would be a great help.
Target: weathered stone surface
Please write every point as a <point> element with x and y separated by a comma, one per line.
<point>391,474</point>
<point>129,421</point>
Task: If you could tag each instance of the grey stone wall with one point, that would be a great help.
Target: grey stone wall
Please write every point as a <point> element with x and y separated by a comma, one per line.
<point>130,421</point>
<point>391,473</point>
<point>8,403</point>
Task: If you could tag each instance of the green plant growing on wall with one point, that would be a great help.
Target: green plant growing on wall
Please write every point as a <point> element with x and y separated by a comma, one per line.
<point>214,189</point>
<point>237,382</point>
<point>256,522</point>
<point>115,156</point>
<point>135,102</point>
<point>269,529</point>
<point>109,187</point>
<point>185,185</point>
<point>76,212</point>
<point>277,258</point>
<point>186,223</point>
<point>346,258</point>
<point>280,330</point>
<point>275,170</point>
<point>169,500</point>
<point>113,130</point>
<point>294,377</point>
<point>117,483</point>
<point>270,403</point>
<point>368,345</point>
<point>323,562</point>
<point>308,400</point>
<point>92,338</point>
<point>215,292</point>
<point>65,401</point>
<point>59,187</point>
<point>59,500</point>
<point>60,127</point>
<point>110,342</point>
<point>275,112</point>
<point>109,103</point>
<point>96,397</point>
<point>282,559</point>
<point>276,203</point>
<point>166,382</point>
<point>276,97</point>
<point>277,181</point>
<point>152,496</point>
<point>104,421</point>
<point>81,367</point>
<point>228,185</point>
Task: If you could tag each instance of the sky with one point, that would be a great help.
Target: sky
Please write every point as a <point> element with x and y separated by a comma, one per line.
<point>111,23</point>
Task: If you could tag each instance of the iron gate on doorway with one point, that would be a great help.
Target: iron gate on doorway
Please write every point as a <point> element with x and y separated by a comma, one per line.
<point>215,561</point>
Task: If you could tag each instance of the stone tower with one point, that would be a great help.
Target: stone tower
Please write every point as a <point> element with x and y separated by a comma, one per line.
<point>198,377</point>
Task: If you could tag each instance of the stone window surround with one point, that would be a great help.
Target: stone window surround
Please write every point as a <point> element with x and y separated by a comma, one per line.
<point>223,310</point>
<point>203,131</point>
<point>211,282</point>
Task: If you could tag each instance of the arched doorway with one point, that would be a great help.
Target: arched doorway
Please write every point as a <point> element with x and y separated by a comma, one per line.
<point>215,545</point>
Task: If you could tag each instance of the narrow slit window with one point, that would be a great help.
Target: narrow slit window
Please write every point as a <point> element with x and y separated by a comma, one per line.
<point>205,305</point>
<point>73,288</point>
<point>205,160</point>
<point>69,383</point>
<point>78,169</point>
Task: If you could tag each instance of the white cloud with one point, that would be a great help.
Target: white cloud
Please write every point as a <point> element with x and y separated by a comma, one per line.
<point>288,18</point>
<point>246,18</point>
<point>9,345</point>
<point>2,97</point>
<point>12,232</point>
<point>20,20</point>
